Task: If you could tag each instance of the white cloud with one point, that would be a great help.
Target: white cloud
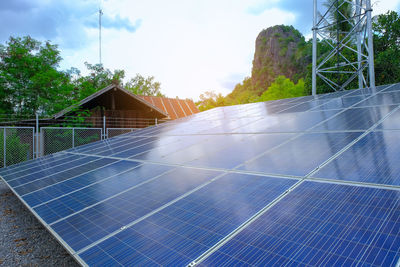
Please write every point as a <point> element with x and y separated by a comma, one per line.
<point>382,6</point>
<point>189,46</point>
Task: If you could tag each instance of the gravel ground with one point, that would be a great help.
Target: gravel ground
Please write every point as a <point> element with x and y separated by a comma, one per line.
<point>23,239</point>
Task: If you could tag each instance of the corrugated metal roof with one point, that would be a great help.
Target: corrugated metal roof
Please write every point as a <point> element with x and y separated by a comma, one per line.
<point>174,107</point>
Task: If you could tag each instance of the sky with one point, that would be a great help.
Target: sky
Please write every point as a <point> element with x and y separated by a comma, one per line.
<point>189,46</point>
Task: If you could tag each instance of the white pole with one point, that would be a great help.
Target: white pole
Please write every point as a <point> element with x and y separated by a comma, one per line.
<point>73,137</point>
<point>370,47</point>
<point>104,127</point>
<point>358,14</point>
<point>314,49</point>
<point>37,135</point>
<point>4,148</point>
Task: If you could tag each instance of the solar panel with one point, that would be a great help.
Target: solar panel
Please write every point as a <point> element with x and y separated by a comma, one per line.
<point>373,159</point>
<point>320,224</point>
<point>356,119</point>
<point>191,225</point>
<point>308,180</point>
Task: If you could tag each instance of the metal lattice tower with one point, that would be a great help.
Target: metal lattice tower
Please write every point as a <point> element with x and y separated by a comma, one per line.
<point>345,27</point>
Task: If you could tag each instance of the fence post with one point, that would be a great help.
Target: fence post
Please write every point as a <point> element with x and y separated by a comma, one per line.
<point>4,148</point>
<point>73,137</point>
<point>104,127</point>
<point>37,135</point>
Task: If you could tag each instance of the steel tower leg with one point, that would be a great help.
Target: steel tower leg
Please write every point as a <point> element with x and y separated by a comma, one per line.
<point>314,48</point>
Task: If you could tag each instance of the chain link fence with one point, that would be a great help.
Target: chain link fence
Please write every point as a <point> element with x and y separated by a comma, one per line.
<point>55,139</point>
<point>29,138</point>
<point>16,145</point>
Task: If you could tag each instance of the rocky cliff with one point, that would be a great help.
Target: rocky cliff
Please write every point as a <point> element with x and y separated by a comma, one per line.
<point>279,50</point>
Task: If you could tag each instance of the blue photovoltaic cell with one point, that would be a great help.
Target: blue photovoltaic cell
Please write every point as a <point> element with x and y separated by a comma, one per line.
<point>273,110</point>
<point>373,159</point>
<point>215,147</point>
<point>392,122</point>
<point>334,94</point>
<point>125,145</point>
<point>245,148</point>
<point>381,99</point>
<point>166,147</point>
<point>355,119</point>
<point>47,180</point>
<point>230,126</point>
<point>301,155</point>
<point>287,122</point>
<point>31,163</point>
<point>183,231</point>
<point>306,106</point>
<point>395,87</point>
<point>76,183</point>
<point>40,172</point>
<point>340,103</point>
<point>163,145</point>
<point>110,143</point>
<point>298,100</point>
<point>75,201</point>
<point>320,224</point>
<point>42,164</point>
<point>185,151</point>
<point>94,223</point>
<point>368,91</point>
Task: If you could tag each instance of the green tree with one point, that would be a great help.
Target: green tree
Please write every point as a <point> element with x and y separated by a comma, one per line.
<point>386,29</point>
<point>243,93</point>
<point>340,17</point>
<point>283,87</point>
<point>98,78</point>
<point>140,85</point>
<point>210,100</point>
<point>29,79</point>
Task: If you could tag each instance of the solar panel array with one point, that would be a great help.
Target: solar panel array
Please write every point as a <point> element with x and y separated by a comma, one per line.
<point>309,180</point>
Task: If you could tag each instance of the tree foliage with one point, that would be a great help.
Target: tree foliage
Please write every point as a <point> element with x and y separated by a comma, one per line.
<point>98,78</point>
<point>29,79</point>
<point>243,93</point>
<point>387,48</point>
<point>283,87</point>
<point>210,100</point>
<point>340,15</point>
<point>140,85</point>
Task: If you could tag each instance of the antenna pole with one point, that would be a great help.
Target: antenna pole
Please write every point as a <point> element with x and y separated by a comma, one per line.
<point>100,13</point>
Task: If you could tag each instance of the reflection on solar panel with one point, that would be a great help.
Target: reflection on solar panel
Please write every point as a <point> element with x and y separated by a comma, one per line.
<point>308,180</point>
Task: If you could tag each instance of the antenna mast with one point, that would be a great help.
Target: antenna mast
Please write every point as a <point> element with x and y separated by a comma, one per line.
<point>100,13</point>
